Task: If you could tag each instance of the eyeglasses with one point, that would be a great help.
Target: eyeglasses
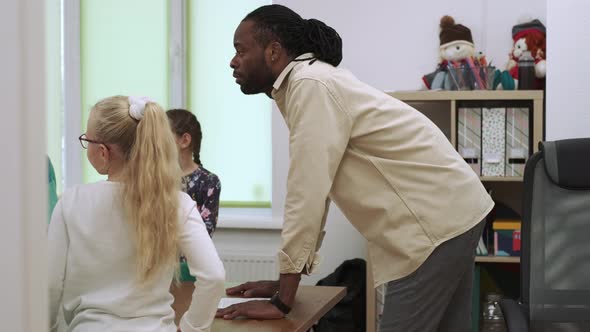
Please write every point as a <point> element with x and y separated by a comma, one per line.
<point>84,141</point>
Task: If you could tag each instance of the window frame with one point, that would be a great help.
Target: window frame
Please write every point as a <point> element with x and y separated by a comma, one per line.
<point>232,214</point>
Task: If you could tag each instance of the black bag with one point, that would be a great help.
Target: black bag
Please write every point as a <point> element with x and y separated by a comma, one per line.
<point>349,315</point>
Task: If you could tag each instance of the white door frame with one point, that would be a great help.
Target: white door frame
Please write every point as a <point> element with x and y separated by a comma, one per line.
<point>23,193</point>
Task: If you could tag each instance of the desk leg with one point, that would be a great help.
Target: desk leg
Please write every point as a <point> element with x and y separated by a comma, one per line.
<point>476,301</point>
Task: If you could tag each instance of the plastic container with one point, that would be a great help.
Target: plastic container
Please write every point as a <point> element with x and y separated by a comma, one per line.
<point>493,319</point>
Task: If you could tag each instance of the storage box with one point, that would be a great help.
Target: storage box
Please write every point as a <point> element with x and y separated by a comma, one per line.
<point>517,140</point>
<point>507,237</point>
<point>469,137</point>
<point>493,145</point>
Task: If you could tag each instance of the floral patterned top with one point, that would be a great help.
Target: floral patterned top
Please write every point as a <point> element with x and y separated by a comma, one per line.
<point>204,188</point>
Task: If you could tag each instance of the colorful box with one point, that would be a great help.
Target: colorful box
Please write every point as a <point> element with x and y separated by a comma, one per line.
<point>507,240</point>
<point>493,141</point>
<point>517,140</point>
<point>469,136</point>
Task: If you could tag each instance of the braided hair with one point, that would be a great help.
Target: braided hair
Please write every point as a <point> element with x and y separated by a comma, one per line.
<point>296,35</point>
<point>183,121</point>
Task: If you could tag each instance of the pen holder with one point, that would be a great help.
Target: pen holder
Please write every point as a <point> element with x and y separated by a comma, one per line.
<point>460,78</point>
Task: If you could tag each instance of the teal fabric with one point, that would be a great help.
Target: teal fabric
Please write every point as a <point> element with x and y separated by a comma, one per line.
<point>52,184</point>
<point>504,78</point>
<point>184,273</point>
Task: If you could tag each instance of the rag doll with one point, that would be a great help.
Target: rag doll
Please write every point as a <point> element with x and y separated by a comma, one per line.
<point>456,49</point>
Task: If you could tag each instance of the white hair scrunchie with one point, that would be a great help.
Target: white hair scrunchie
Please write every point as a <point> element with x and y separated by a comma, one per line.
<point>137,106</point>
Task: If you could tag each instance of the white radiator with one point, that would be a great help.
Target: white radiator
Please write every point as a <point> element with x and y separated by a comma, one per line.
<point>249,267</point>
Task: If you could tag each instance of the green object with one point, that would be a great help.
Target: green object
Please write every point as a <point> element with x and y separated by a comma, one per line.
<point>497,75</point>
<point>52,195</point>
<point>185,275</point>
<point>240,204</point>
<point>504,78</point>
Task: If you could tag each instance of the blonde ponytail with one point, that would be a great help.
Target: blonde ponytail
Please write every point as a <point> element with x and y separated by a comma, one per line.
<point>151,180</point>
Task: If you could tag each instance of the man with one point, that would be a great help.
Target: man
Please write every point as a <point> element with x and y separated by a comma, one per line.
<point>390,170</point>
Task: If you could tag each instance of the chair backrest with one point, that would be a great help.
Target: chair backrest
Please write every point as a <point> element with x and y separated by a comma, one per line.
<point>555,264</point>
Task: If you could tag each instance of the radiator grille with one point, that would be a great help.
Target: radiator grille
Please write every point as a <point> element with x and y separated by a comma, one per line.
<point>246,267</point>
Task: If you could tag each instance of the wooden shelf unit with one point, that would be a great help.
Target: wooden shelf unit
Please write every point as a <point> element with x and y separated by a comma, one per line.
<point>500,178</point>
<point>451,98</point>
<point>468,95</point>
<point>497,259</point>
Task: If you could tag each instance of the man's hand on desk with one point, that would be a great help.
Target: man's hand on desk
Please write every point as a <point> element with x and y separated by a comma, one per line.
<point>251,309</point>
<point>263,288</point>
<point>284,295</point>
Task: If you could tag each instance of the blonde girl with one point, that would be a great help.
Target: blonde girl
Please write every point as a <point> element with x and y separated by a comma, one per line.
<point>114,245</point>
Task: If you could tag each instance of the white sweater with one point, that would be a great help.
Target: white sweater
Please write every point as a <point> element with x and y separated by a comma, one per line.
<point>92,267</point>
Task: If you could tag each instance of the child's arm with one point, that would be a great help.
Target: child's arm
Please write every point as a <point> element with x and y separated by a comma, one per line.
<point>58,244</point>
<point>205,265</point>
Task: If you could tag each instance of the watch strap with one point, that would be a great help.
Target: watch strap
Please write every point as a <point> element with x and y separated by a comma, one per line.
<point>276,301</point>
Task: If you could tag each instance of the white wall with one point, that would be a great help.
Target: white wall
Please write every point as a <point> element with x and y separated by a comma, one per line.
<point>390,44</point>
<point>23,193</point>
<point>568,72</point>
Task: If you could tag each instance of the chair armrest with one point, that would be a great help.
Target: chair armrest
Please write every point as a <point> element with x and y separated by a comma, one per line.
<point>514,316</point>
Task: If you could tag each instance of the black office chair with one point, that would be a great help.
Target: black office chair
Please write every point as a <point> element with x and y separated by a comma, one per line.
<point>555,256</point>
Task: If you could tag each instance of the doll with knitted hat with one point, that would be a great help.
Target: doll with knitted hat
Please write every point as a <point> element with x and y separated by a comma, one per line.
<point>456,42</point>
<point>456,49</point>
<point>529,36</point>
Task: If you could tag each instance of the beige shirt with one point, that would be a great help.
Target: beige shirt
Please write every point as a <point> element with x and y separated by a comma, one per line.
<point>389,169</point>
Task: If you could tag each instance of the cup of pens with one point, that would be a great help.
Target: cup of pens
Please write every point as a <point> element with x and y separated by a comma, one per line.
<point>471,74</point>
<point>489,74</point>
<point>460,78</point>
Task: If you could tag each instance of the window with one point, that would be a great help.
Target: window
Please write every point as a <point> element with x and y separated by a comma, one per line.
<point>123,50</point>
<point>236,128</point>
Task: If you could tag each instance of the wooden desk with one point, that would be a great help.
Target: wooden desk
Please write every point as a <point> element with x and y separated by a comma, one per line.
<point>311,303</point>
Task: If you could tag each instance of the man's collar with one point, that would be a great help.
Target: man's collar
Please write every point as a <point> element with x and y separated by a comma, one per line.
<point>289,67</point>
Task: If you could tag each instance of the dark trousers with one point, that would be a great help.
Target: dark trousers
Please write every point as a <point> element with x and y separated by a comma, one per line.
<point>437,296</point>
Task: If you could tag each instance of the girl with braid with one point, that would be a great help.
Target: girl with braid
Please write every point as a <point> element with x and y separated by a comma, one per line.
<point>199,183</point>
<point>390,170</point>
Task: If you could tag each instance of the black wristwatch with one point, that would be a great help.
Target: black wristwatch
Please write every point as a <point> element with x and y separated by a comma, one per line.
<point>276,301</point>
